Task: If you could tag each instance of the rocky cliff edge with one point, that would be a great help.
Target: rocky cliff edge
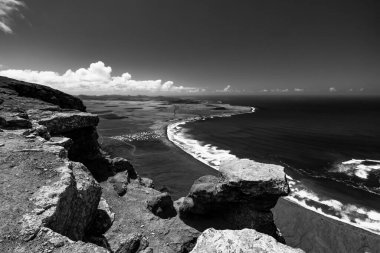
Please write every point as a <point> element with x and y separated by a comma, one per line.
<point>61,193</point>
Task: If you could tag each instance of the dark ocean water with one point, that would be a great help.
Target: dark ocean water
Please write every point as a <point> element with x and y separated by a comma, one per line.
<point>315,139</point>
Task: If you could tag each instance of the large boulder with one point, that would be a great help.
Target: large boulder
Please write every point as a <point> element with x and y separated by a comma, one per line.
<point>241,181</point>
<point>252,179</point>
<point>236,241</point>
<point>132,243</point>
<point>67,206</point>
<point>162,205</point>
<point>119,164</point>
<point>241,196</point>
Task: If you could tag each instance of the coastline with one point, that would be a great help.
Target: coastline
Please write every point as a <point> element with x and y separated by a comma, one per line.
<point>174,170</point>
<point>171,132</point>
<point>184,144</point>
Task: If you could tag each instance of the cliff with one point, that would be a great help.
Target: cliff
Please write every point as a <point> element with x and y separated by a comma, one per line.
<point>62,193</point>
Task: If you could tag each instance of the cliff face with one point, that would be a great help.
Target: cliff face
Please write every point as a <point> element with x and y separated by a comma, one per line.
<point>62,193</point>
<point>49,201</point>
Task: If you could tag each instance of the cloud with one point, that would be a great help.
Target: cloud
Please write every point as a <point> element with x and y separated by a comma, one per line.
<point>96,79</point>
<point>298,90</point>
<point>275,90</point>
<point>227,88</point>
<point>7,9</point>
<point>332,89</point>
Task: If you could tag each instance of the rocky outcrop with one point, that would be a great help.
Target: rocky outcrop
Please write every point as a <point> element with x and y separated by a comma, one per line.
<point>42,189</point>
<point>132,215</point>
<point>67,206</point>
<point>42,93</point>
<point>236,241</point>
<point>62,122</point>
<point>47,193</point>
<point>242,195</point>
<point>62,193</point>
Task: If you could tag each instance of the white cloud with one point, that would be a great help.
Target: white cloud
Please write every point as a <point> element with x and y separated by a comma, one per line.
<point>332,89</point>
<point>7,8</point>
<point>96,79</point>
<point>227,88</point>
<point>298,90</point>
<point>277,90</point>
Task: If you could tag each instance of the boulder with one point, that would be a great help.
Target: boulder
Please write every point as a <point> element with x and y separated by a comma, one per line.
<point>241,181</point>
<point>120,183</point>
<point>254,179</point>
<point>162,206</point>
<point>241,197</point>
<point>237,241</point>
<point>132,243</point>
<point>67,206</point>
<point>119,164</point>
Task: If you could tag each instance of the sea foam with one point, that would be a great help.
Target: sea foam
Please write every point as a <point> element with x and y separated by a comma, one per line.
<point>358,168</point>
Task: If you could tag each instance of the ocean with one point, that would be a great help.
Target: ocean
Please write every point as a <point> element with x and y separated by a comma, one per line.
<point>329,147</point>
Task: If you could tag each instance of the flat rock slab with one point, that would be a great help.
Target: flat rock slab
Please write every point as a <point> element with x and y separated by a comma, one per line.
<point>237,241</point>
<point>255,178</point>
<point>60,122</point>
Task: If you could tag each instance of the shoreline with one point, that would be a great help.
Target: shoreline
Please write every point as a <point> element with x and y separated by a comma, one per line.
<point>171,126</point>
<point>171,132</point>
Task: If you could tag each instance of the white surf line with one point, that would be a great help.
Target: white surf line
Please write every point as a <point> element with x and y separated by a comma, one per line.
<point>212,157</point>
<point>201,152</point>
<point>316,210</point>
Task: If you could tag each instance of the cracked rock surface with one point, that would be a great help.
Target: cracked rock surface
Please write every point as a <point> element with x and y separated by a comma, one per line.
<point>237,241</point>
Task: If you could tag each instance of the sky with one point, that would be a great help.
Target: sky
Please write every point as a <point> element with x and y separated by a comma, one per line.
<point>193,46</point>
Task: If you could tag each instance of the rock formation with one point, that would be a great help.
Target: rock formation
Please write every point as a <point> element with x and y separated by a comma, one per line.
<point>236,241</point>
<point>241,196</point>
<point>61,193</point>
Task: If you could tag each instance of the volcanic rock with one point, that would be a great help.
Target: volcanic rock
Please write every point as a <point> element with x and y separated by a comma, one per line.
<point>237,241</point>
